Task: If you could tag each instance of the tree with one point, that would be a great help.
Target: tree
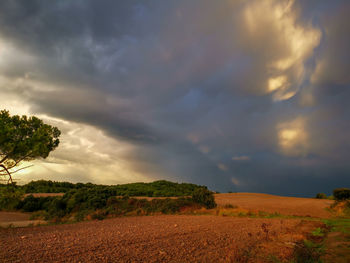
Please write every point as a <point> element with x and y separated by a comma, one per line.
<point>204,197</point>
<point>321,196</point>
<point>341,194</point>
<point>24,139</point>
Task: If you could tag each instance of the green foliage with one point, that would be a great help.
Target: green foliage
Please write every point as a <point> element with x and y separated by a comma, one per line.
<point>204,197</point>
<point>308,252</point>
<point>318,232</point>
<point>160,188</point>
<point>230,206</point>
<point>331,197</point>
<point>341,194</point>
<point>99,203</point>
<point>87,198</point>
<point>10,196</point>
<point>339,225</point>
<point>98,216</point>
<point>321,196</point>
<point>168,206</point>
<point>24,139</point>
<point>31,203</point>
<point>43,186</point>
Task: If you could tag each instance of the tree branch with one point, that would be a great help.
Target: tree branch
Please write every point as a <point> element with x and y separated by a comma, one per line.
<point>18,169</point>
<point>8,173</point>
<point>17,162</point>
<point>3,159</point>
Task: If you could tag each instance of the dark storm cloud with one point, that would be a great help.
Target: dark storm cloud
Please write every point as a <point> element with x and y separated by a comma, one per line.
<point>194,85</point>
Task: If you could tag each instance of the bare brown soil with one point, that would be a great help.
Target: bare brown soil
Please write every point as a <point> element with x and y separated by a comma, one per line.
<point>178,238</point>
<point>292,206</point>
<point>17,219</point>
<point>13,216</point>
<point>338,248</point>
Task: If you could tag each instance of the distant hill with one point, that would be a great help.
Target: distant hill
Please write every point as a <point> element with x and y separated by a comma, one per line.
<point>153,189</point>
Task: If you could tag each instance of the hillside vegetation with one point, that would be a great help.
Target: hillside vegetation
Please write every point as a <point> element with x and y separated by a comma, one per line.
<point>82,201</point>
<point>153,189</point>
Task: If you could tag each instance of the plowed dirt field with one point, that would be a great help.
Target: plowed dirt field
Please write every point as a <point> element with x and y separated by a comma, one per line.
<point>178,238</point>
<point>292,206</point>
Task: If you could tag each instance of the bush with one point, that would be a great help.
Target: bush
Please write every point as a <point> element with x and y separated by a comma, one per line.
<point>32,204</point>
<point>308,252</point>
<point>98,216</point>
<point>204,197</point>
<point>341,194</point>
<point>321,196</point>
<point>157,188</point>
<point>10,197</point>
<point>169,206</point>
<point>331,197</point>
<point>98,201</point>
<point>230,206</point>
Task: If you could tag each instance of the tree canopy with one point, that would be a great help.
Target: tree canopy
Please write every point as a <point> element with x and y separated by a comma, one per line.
<point>24,138</point>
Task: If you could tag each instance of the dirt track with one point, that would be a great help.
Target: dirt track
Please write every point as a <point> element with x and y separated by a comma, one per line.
<point>153,239</point>
<point>271,203</point>
<point>13,216</point>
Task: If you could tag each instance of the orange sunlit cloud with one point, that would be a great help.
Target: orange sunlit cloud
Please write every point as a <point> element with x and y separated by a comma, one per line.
<point>293,137</point>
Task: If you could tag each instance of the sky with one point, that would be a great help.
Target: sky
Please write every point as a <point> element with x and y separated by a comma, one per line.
<point>237,95</point>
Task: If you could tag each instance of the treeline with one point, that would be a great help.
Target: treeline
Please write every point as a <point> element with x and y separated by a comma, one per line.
<point>339,194</point>
<point>98,201</point>
<point>160,188</point>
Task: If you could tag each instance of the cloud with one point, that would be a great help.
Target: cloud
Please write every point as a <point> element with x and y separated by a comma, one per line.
<point>280,46</point>
<point>184,88</point>
<point>235,181</point>
<point>241,158</point>
<point>204,149</point>
<point>85,154</point>
<point>222,167</point>
<point>293,138</point>
<point>332,65</point>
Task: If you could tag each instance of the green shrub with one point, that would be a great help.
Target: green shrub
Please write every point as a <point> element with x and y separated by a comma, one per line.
<point>99,201</point>
<point>331,197</point>
<point>32,204</point>
<point>10,196</point>
<point>230,206</point>
<point>98,216</point>
<point>321,196</point>
<point>318,232</point>
<point>308,252</point>
<point>341,194</point>
<point>153,189</point>
<point>80,216</point>
<point>204,197</point>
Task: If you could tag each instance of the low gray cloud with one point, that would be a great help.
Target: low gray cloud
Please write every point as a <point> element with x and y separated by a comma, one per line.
<point>245,95</point>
